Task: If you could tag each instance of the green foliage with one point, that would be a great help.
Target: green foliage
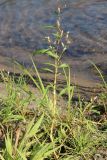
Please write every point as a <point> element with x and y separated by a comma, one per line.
<point>41,133</point>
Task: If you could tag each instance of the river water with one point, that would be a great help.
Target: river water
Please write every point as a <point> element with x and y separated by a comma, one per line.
<point>22,31</point>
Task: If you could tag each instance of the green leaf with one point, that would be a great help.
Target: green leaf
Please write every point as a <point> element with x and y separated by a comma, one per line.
<point>35,128</point>
<point>41,85</point>
<point>44,151</point>
<point>8,143</point>
<point>63,91</point>
<point>31,130</point>
<point>22,155</point>
<point>99,71</point>
<point>13,118</point>
<point>49,27</point>
<point>64,65</point>
<point>50,64</point>
<point>32,78</point>
<point>46,51</point>
<point>48,70</point>
<point>52,54</point>
<point>41,51</point>
<point>1,157</point>
<point>57,35</point>
<point>26,136</point>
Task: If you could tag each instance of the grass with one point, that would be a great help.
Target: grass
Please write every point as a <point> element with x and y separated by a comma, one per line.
<point>44,131</point>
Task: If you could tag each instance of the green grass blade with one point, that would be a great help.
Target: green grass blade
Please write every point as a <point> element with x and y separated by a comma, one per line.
<point>44,151</point>
<point>104,82</point>
<point>31,130</point>
<point>32,78</point>
<point>1,157</point>
<point>35,128</point>
<point>8,143</point>
<point>22,155</point>
<point>40,80</point>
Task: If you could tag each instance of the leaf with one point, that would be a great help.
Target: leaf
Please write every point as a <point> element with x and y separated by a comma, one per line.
<point>28,145</point>
<point>50,64</point>
<point>32,78</point>
<point>22,143</point>
<point>41,51</point>
<point>64,65</point>
<point>48,70</point>
<point>35,128</point>
<point>8,143</point>
<point>41,85</point>
<point>13,118</point>
<point>44,151</point>
<point>99,71</point>
<point>95,111</point>
<point>52,54</point>
<point>31,130</point>
<point>63,91</point>
<point>63,132</point>
<point>46,51</point>
<point>1,157</point>
<point>57,35</point>
<point>29,74</point>
<point>49,27</point>
<point>22,155</point>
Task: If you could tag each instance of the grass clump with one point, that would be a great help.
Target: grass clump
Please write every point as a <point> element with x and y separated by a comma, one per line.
<point>39,133</point>
<point>44,132</point>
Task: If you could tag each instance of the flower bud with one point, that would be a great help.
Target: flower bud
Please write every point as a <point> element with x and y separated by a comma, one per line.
<point>48,39</point>
<point>59,10</point>
<point>58,24</point>
<point>67,35</point>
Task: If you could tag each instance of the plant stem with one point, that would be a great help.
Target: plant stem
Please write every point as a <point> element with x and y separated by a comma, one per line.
<point>55,86</point>
<point>54,104</point>
<point>69,92</point>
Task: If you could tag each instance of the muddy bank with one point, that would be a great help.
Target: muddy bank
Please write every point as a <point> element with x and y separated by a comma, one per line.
<point>86,93</point>
<point>83,73</point>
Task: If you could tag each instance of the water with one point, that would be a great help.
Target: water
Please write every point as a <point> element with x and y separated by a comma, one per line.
<point>22,31</point>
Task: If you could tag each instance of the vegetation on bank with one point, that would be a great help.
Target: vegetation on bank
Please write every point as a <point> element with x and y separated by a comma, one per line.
<point>44,131</point>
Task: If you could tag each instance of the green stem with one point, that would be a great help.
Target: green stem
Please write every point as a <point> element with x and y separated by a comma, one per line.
<point>69,92</point>
<point>55,85</point>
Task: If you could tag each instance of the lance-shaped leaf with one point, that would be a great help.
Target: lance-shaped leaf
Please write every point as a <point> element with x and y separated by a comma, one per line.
<point>49,26</point>
<point>52,54</point>
<point>31,130</point>
<point>48,70</point>
<point>64,65</point>
<point>40,51</point>
<point>8,143</point>
<point>50,64</point>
